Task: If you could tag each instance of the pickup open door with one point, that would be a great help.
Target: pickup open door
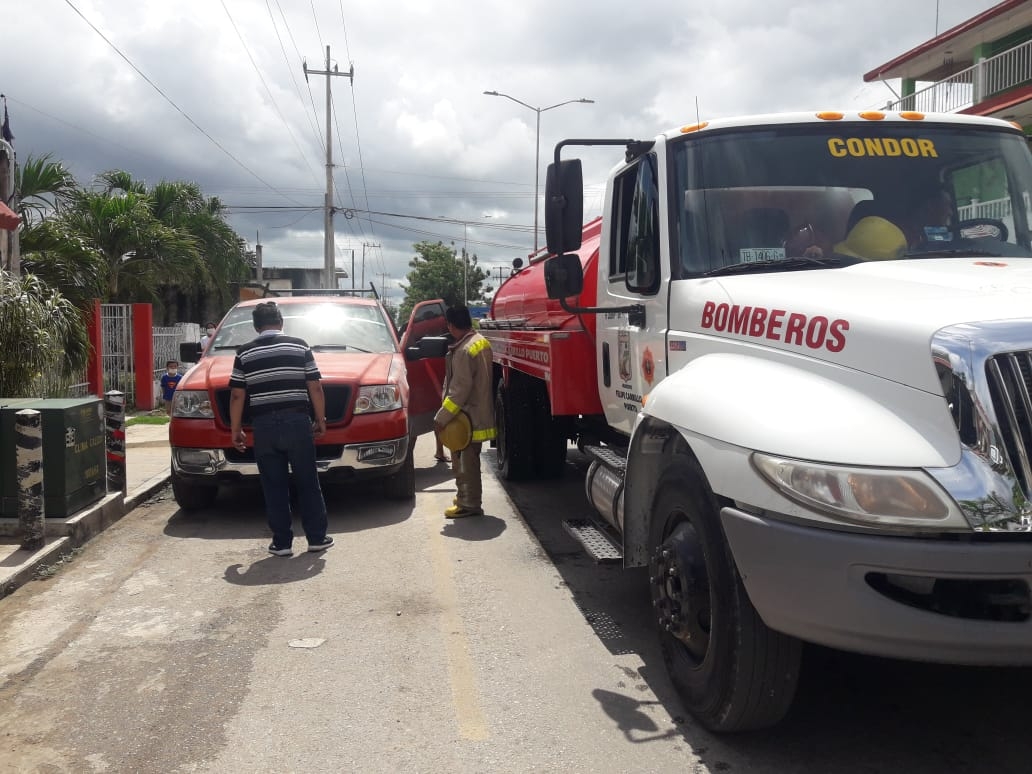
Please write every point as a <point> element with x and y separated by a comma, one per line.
<point>425,374</point>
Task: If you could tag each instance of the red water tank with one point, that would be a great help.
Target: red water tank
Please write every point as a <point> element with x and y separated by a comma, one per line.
<point>522,301</point>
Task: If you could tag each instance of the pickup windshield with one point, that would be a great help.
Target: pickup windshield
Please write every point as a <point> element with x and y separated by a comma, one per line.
<point>323,325</point>
<point>892,190</point>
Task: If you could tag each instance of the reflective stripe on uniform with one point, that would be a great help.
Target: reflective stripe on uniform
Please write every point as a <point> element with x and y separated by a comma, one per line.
<point>484,435</point>
<point>451,405</point>
<point>477,346</point>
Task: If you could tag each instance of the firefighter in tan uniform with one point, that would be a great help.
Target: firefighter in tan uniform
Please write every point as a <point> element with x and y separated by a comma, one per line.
<point>467,388</point>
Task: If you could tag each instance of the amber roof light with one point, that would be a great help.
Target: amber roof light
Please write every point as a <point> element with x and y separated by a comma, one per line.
<point>831,115</point>
<point>872,115</point>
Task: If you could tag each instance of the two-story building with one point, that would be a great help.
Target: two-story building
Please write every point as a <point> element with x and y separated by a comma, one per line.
<point>983,66</point>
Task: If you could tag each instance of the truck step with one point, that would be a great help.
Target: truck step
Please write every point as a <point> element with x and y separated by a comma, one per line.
<point>595,540</point>
<point>607,457</point>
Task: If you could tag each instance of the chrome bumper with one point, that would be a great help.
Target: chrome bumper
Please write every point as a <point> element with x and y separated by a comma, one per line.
<point>361,458</point>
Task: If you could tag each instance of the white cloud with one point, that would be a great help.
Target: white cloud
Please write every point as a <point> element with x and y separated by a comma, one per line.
<point>414,134</point>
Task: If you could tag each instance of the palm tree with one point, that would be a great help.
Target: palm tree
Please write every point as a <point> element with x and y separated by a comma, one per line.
<point>45,340</point>
<point>138,252</point>
<point>41,185</point>
<point>182,206</point>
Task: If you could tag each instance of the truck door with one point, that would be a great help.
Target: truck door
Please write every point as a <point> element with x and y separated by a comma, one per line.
<point>632,356</point>
<point>425,376</point>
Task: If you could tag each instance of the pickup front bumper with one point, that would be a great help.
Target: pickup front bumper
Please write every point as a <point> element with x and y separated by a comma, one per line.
<point>925,599</point>
<point>349,461</point>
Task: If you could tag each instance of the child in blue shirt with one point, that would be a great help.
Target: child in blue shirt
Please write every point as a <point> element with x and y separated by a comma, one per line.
<point>169,380</point>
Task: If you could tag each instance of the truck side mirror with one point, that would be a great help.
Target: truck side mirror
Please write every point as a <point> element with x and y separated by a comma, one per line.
<point>430,346</point>
<point>189,351</point>
<point>564,276</point>
<point>564,206</point>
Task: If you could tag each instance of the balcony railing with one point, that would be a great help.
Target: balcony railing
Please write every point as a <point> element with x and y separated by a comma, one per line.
<point>973,85</point>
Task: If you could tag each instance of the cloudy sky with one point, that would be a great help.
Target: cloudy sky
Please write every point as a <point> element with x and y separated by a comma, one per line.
<point>420,152</point>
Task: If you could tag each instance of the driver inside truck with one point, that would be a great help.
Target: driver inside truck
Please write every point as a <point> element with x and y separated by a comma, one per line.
<point>930,218</point>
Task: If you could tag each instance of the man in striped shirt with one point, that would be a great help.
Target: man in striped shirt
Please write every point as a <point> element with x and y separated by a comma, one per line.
<point>278,375</point>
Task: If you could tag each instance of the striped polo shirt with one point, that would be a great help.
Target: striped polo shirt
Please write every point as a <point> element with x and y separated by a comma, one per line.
<point>275,370</point>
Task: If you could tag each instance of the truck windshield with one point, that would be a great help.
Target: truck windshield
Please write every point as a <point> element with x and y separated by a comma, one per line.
<point>755,199</point>
<point>323,325</point>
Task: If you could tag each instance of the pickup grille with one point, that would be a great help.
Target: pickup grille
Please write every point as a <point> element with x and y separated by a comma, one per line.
<point>1010,387</point>
<point>338,397</point>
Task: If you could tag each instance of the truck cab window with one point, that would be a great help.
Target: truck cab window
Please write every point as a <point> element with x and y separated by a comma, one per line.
<point>635,253</point>
<point>794,198</point>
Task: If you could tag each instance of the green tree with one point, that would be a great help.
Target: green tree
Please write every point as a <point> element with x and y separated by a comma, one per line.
<point>437,272</point>
<point>42,185</point>
<point>138,252</point>
<point>222,258</point>
<point>45,341</point>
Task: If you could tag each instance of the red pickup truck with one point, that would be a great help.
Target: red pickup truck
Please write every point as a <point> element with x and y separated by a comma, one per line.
<point>381,393</point>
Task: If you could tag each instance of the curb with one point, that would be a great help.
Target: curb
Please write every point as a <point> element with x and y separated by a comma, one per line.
<point>65,535</point>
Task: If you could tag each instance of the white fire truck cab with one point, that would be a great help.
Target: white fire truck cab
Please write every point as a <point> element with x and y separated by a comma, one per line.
<point>799,348</point>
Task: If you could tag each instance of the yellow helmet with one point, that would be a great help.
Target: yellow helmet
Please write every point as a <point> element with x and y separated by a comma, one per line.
<point>873,239</point>
<point>457,434</point>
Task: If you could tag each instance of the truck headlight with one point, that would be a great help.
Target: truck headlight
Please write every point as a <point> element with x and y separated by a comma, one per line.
<point>192,404</point>
<point>873,496</point>
<point>378,397</point>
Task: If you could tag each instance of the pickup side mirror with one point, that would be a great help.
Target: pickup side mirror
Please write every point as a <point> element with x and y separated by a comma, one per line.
<point>189,351</point>
<point>430,346</point>
<point>564,276</point>
<point>564,206</point>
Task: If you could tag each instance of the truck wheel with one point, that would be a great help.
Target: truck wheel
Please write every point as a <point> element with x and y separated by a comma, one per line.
<point>515,427</point>
<point>402,485</point>
<point>191,496</point>
<point>730,670</point>
<point>550,440</point>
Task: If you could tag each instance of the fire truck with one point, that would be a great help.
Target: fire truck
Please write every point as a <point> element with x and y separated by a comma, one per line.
<point>798,350</point>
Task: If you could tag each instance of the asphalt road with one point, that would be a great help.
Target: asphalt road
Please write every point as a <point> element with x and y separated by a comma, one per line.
<point>174,643</point>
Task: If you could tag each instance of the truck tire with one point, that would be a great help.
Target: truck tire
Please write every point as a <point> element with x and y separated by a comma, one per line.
<point>402,485</point>
<point>550,439</point>
<point>191,496</point>
<point>514,419</point>
<point>730,670</point>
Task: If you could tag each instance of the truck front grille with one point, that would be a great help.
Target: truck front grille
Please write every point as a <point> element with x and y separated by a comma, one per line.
<point>337,398</point>
<point>1010,388</point>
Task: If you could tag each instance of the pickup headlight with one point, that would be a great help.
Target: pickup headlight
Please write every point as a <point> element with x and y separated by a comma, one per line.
<point>871,496</point>
<point>192,404</point>
<point>378,397</point>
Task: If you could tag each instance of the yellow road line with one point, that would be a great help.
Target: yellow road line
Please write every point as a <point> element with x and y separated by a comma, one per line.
<point>465,698</point>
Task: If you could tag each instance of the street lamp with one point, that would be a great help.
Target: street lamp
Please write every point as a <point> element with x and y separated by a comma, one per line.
<point>537,152</point>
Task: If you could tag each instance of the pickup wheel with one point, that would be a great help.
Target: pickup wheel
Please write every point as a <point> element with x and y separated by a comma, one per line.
<point>191,496</point>
<point>515,422</point>
<point>550,439</point>
<point>730,670</point>
<point>402,485</point>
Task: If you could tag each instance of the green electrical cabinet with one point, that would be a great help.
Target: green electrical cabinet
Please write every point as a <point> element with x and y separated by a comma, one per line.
<point>74,472</point>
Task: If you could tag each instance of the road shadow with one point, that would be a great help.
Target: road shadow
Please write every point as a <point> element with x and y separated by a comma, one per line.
<point>475,528</point>
<point>851,713</point>
<point>274,570</point>
<point>239,512</point>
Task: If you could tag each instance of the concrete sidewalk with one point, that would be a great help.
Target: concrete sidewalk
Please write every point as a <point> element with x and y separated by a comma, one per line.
<point>147,470</point>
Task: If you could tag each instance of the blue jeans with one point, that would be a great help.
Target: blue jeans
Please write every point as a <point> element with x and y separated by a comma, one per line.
<point>283,438</point>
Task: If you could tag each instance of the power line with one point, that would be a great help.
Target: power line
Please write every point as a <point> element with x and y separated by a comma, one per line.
<point>168,99</point>
<point>290,69</point>
<point>268,91</point>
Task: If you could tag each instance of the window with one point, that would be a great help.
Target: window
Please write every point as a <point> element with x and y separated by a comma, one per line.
<point>635,254</point>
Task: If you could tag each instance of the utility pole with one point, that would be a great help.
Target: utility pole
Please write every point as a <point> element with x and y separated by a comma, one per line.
<point>364,246</point>
<point>330,280</point>
<point>258,257</point>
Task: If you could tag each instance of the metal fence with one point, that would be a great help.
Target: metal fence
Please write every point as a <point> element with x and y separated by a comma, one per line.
<point>117,358</point>
<point>974,84</point>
